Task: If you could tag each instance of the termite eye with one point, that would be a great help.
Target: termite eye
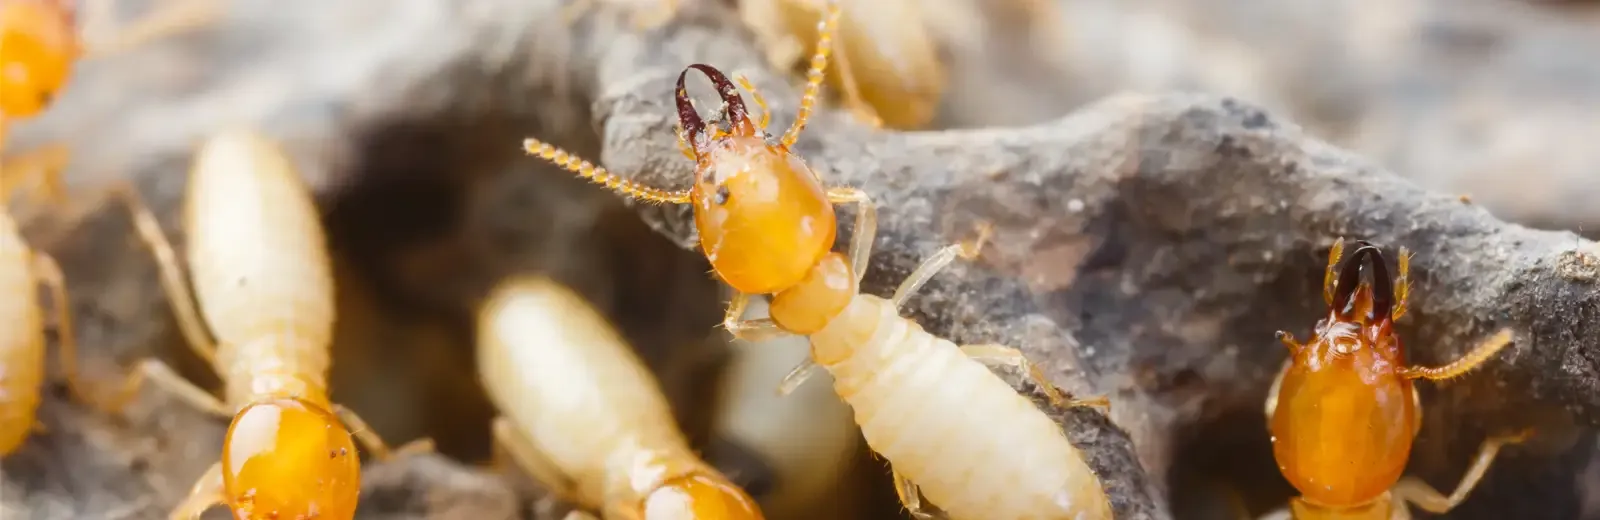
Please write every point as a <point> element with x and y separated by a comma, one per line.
<point>722,195</point>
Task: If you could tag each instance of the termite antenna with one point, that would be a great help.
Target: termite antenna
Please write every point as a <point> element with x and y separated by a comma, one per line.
<point>600,176</point>
<point>819,63</point>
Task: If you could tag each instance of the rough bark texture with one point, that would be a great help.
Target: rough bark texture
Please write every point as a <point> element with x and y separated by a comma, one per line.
<point>1147,246</point>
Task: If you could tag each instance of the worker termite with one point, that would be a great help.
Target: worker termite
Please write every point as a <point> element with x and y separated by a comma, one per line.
<point>585,417</point>
<point>767,226</point>
<point>41,44</point>
<point>262,281</point>
<point>1343,411</point>
<point>887,65</point>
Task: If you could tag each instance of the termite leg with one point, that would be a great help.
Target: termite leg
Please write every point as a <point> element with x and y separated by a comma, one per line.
<point>1402,285</point>
<point>509,441</point>
<point>1471,360</point>
<point>47,272</point>
<point>938,261</point>
<point>819,63</point>
<point>910,496</point>
<point>179,299</point>
<point>44,164</point>
<point>207,492</point>
<point>852,92</point>
<point>169,380</point>
<point>366,436</point>
<point>748,330</point>
<point>1415,491</point>
<point>1001,355</point>
<point>1277,384</point>
<point>866,228</point>
<point>1330,275</point>
<point>761,101</point>
<point>168,18</point>
<point>798,376</point>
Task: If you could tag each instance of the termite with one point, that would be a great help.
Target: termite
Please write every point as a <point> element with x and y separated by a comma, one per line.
<point>583,415</point>
<point>40,44</point>
<point>767,226</point>
<point>888,66</point>
<point>1343,411</point>
<point>262,282</point>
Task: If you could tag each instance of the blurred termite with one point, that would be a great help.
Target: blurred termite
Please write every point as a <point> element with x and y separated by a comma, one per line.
<point>767,226</point>
<point>22,340</point>
<point>1343,411</point>
<point>40,44</point>
<point>262,282</point>
<point>585,417</point>
<point>887,66</point>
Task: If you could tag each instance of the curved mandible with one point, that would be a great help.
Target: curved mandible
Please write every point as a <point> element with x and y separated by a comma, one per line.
<point>1382,283</point>
<point>693,126</point>
<point>738,114</point>
<point>1350,276</point>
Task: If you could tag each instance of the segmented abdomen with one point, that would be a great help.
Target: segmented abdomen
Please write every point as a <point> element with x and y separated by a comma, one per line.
<point>21,339</point>
<point>977,448</point>
<point>259,263</point>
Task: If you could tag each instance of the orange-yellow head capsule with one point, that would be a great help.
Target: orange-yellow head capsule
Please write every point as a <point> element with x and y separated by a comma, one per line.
<point>700,497</point>
<point>1345,417</point>
<point>763,216</point>
<point>289,458</point>
<point>40,43</point>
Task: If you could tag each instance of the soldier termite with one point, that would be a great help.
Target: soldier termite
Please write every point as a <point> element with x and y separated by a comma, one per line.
<point>1343,411</point>
<point>262,282</point>
<point>585,417</point>
<point>767,226</point>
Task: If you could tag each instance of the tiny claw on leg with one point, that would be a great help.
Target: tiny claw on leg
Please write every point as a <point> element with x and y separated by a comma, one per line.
<point>207,492</point>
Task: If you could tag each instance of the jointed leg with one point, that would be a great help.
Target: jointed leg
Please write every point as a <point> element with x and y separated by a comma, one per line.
<point>509,441</point>
<point>1001,355</point>
<point>819,63</point>
<point>852,92</point>
<point>1402,285</point>
<point>798,376</point>
<point>45,164</point>
<point>169,380</point>
<point>105,37</point>
<point>375,444</point>
<point>866,227</point>
<point>207,492</point>
<point>1415,491</point>
<point>1488,348</point>
<point>910,496</point>
<point>47,272</point>
<point>761,101</point>
<point>1328,276</point>
<point>172,278</point>
<point>748,330</point>
<point>940,259</point>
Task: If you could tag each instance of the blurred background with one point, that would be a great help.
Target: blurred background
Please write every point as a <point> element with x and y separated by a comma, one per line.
<point>405,114</point>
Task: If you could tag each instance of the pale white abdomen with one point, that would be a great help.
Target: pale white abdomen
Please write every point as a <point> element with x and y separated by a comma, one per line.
<point>977,448</point>
<point>21,339</point>
<point>559,372</point>
<point>258,259</point>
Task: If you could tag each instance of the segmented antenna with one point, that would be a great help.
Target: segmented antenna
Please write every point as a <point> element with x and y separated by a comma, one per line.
<point>599,175</point>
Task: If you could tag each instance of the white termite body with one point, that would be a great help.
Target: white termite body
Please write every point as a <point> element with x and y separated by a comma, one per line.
<point>584,414</point>
<point>976,447</point>
<point>22,340</point>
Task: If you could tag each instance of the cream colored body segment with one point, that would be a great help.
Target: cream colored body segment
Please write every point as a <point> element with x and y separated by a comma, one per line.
<point>21,339</point>
<point>260,269</point>
<point>571,386</point>
<point>995,456</point>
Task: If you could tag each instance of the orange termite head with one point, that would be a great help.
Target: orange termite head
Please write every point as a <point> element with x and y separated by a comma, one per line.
<point>699,496</point>
<point>40,43</point>
<point>290,458</point>
<point>763,216</point>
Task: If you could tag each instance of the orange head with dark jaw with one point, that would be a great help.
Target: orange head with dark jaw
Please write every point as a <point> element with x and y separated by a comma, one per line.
<point>290,459</point>
<point>1345,415</point>
<point>764,218</point>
